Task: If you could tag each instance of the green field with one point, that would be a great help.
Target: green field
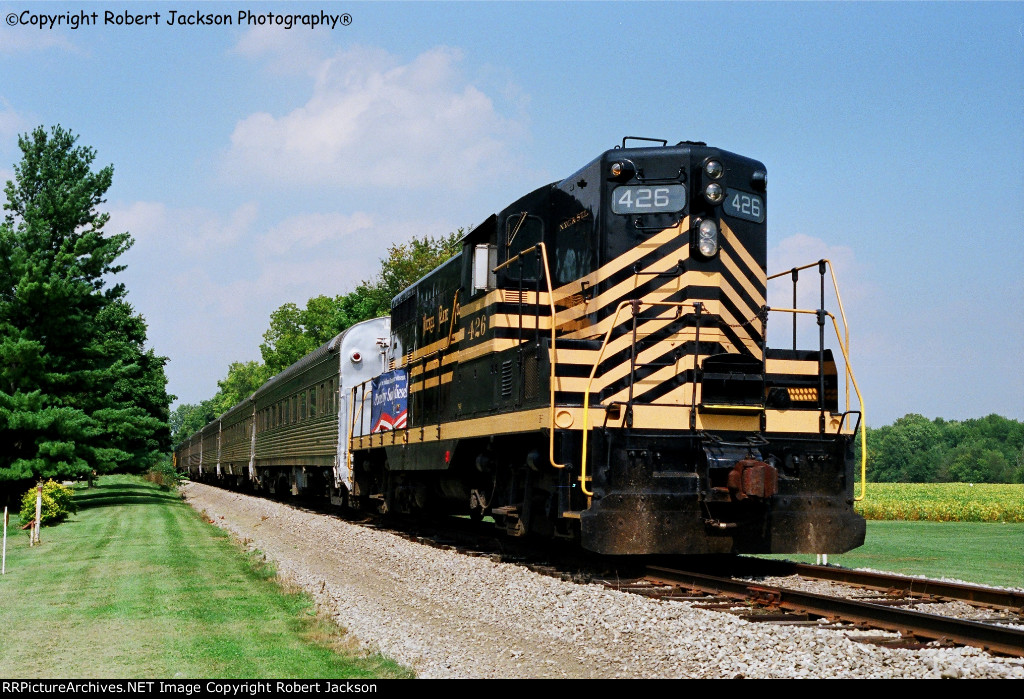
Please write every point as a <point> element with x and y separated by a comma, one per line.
<point>980,552</point>
<point>137,585</point>
<point>943,502</point>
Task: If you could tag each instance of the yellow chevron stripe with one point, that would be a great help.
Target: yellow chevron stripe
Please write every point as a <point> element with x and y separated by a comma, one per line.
<point>507,423</point>
<point>745,257</point>
<point>626,259</point>
<point>800,367</point>
<point>645,417</point>
<point>430,383</point>
<point>660,294</point>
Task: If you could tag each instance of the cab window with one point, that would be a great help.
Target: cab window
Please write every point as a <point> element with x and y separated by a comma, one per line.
<point>522,232</point>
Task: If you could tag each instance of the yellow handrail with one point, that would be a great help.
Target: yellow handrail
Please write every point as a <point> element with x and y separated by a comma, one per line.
<point>593,373</point>
<point>860,398</point>
<point>842,312</point>
<point>554,356</point>
<point>352,420</point>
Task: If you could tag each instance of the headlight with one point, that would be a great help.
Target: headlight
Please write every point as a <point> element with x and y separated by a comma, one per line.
<point>622,170</point>
<point>714,169</point>
<point>707,237</point>
<point>714,193</point>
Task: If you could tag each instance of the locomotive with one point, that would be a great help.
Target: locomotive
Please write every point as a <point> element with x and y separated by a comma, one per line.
<point>593,365</point>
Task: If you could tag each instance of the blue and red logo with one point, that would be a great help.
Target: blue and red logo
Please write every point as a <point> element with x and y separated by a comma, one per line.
<point>390,407</point>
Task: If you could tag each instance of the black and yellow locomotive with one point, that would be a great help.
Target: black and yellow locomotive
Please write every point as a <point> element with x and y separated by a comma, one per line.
<point>594,365</point>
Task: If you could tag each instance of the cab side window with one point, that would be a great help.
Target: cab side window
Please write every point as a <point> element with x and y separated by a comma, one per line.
<point>522,232</point>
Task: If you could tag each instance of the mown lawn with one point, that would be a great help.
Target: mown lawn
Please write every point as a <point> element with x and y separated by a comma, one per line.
<point>137,585</point>
<point>987,553</point>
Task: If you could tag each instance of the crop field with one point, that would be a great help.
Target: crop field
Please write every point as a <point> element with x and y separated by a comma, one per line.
<point>943,502</point>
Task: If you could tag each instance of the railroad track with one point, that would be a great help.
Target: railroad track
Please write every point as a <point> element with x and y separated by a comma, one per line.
<point>923,589</point>
<point>772,603</point>
<point>887,611</point>
<point>737,589</point>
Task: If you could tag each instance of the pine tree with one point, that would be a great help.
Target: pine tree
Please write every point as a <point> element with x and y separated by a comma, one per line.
<point>77,390</point>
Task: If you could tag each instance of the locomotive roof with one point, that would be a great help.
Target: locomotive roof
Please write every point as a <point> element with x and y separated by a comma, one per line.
<point>411,289</point>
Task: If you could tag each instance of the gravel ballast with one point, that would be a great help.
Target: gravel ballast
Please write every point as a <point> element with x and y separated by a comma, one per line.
<point>448,615</point>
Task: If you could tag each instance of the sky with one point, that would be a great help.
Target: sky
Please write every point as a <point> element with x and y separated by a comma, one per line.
<point>256,164</point>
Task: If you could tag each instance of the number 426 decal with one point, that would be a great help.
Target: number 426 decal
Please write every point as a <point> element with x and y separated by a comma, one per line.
<point>744,205</point>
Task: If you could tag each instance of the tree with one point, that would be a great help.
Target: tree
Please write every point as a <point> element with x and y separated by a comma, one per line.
<point>188,418</point>
<point>286,340</point>
<point>130,400</point>
<point>903,451</point>
<point>294,332</point>
<point>77,389</point>
<point>242,380</point>
<point>408,262</point>
<point>985,450</point>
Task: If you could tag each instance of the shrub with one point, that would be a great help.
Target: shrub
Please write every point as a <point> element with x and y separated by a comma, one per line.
<point>164,475</point>
<point>57,503</point>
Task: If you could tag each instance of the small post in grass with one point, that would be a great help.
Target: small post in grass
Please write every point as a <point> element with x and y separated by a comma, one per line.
<point>39,512</point>
<point>3,559</point>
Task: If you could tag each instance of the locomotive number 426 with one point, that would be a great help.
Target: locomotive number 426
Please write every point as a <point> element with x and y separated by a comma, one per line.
<point>743,205</point>
<point>631,199</point>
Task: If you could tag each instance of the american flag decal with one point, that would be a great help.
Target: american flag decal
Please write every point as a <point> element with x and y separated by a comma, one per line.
<point>390,406</point>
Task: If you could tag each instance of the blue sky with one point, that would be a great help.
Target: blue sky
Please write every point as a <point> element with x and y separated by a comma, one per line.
<point>259,165</point>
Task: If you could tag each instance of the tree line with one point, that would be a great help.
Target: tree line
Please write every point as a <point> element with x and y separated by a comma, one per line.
<point>296,331</point>
<point>79,391</point>
<point>915,449</point>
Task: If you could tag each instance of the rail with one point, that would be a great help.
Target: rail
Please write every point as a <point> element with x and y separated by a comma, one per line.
<point>554,356</point>
<point>821,313</point>
<point>844,345</point>
<point>821,265</point>
<point>999,639</point>
<point>635,305</point>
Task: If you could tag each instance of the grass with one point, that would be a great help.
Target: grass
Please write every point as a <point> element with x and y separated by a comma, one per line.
<point>986,553</point>
<point>138,585</point>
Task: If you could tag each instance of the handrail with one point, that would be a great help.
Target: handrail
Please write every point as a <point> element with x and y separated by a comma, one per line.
<point>451,325</point>
<point>554,356</point>
<point>860,398</point>
<point>593,373</point>
<point>839,299</point>
<point>352,420</point>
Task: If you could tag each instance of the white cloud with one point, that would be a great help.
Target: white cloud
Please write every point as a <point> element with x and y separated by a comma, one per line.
<point>312,230</point>
<point>207,281</point>
<point>11,123</point>
<point>142,218</point>
<point>799,250</point>
<point>374,120</point>
<point>287,52</point>
<point>193,231</point>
